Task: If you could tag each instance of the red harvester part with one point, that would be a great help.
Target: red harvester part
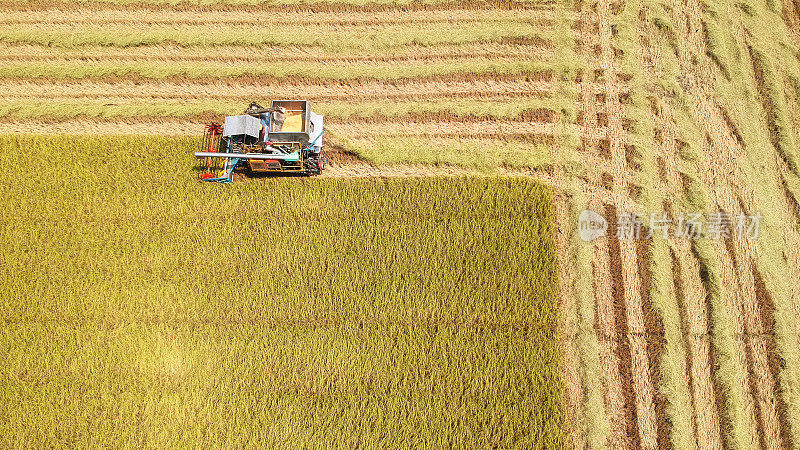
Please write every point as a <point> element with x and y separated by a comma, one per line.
<point>212,130</point>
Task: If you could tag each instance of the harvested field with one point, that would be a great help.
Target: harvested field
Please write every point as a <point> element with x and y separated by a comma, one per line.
<point>699,380</point>
<point>676,107</point>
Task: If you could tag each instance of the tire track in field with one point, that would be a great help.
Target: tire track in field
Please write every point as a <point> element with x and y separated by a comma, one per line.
<point>689,25</point>
<point>538,52</point>
<point>759,303</point>
<point>696,328</point>
<point>641,325</point>
<point>299,7</point>
<point>302,72</point>
<point>617,386</point>
<point>790,10</point>
<point>790,184</point>
<point>706,395</point>
<point>688,286</point>
<point>531,122</point>
<point>197,15</point>
<point>573,391</point>
<point>55,18</point>
<point>694,314</point>
<point>574,364</point>
<point>358,38</point>
<point>753,384</point>
<point>501,48</point>
<point>758,307</point>
<point>616,327</point>
<point>224,89</point>
<point>634,326</point>
<point>267,80</point>
<point>767,346</point>
<point>762,384</point>
<point>18,94</point>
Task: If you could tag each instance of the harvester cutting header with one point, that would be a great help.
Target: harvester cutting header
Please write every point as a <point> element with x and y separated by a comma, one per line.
<point>287,137</point>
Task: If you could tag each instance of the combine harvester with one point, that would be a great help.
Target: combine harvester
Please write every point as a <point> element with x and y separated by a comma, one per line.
<point>285,138</point>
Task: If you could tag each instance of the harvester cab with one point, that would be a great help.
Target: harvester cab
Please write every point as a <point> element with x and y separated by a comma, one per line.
<point>284,138</point>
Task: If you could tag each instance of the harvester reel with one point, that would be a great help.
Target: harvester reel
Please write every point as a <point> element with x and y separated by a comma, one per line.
<point>214,128</point>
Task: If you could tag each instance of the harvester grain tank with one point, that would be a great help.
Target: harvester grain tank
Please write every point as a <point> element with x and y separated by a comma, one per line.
<point>284,138</point>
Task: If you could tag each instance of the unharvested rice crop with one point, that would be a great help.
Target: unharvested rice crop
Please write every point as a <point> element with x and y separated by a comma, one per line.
<point>143,308</point>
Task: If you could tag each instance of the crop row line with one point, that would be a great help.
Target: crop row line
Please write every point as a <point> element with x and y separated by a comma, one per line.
<point>284,6</point>
<point>334,38</point>
<point>212,19</point>
<point>301,71</point>
<point>686,380</point>
<point>267,81</point>
<point>144,97</point>
<point>502,47</point>
<point>235,89</point>
<point>111,14</point>
<point>533,108</point>
<point>267,59</point>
